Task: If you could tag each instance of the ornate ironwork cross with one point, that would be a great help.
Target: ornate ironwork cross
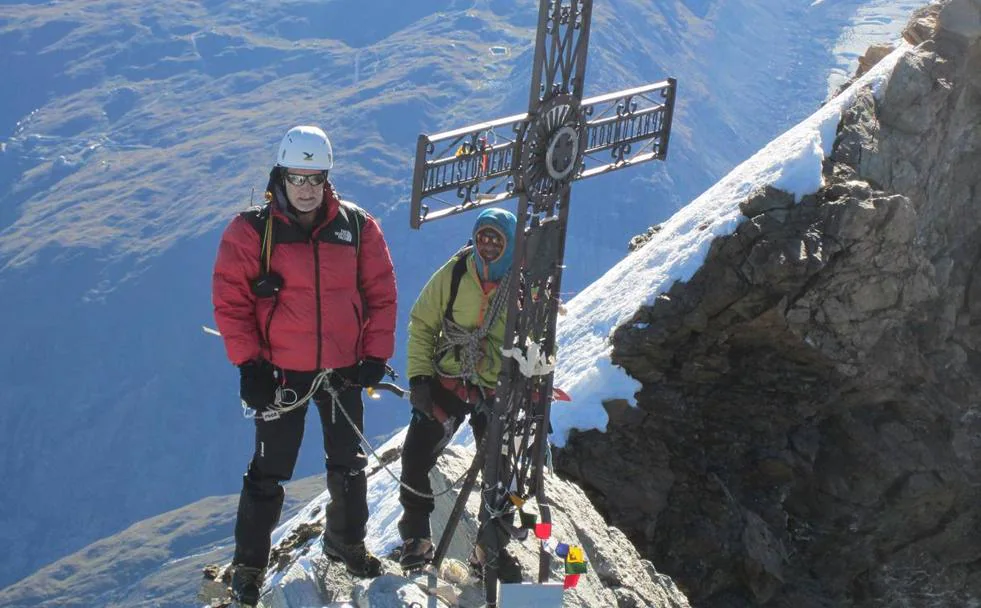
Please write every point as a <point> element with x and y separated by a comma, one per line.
<point>535,157</point>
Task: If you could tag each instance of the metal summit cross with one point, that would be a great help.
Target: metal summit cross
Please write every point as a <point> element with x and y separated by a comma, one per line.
<point>535,157</point>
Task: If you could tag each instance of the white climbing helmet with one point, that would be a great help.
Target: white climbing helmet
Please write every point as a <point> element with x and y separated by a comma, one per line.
<point>305,147</point>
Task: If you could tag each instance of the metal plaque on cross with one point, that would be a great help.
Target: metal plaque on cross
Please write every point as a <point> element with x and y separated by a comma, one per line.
<point>534,157</point>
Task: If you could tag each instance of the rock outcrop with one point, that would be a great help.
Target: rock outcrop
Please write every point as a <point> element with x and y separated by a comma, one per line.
<point>809,428</point>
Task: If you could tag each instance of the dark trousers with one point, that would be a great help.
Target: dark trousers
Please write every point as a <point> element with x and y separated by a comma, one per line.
<point>277,444</point>
<point>419,454</point>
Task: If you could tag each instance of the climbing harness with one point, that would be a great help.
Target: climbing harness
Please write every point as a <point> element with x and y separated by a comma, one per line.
<point>287,399</point>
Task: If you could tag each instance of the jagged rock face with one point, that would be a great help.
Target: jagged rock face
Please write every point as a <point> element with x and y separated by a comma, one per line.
<point>809,429</point>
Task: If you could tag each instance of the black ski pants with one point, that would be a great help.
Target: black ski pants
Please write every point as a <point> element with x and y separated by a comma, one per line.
<point>419,454</point>
<point>277,445</point>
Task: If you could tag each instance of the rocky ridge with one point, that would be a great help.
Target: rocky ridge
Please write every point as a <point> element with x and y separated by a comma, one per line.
<point>300,576</point>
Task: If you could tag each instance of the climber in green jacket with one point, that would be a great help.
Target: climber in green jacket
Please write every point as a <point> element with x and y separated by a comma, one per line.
<point>456,330</point>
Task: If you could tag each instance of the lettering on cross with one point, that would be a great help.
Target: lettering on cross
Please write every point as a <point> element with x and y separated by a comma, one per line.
<point>534,157</point>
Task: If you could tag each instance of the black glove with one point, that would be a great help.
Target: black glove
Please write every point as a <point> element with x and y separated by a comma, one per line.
<point>421,395</point>
<point>371,371</point>
<point>257,384</point>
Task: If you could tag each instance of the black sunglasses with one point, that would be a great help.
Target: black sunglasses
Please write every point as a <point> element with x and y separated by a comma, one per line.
<point>298,180</point>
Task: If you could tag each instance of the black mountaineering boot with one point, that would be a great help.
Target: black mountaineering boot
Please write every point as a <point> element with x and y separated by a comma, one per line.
<point>356,557</point>
<point>508,568</point>
<point>416,553</point>
<point>246,585</point>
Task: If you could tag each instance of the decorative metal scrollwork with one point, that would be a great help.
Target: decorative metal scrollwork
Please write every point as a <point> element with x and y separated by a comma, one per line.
<point>542,152</point>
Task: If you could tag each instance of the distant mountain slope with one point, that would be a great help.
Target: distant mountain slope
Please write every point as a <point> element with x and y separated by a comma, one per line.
<point>155,562</point>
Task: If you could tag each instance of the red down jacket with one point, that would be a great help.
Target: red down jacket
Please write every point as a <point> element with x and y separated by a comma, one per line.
<point>337,303</point>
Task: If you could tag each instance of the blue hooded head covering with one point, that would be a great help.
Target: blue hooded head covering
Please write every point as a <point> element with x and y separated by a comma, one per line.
<point>504,222</point>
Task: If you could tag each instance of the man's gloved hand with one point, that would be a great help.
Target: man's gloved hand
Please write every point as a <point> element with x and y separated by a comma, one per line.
<point>371,371</point>
<point>421,395</point>
<point>257,384</point>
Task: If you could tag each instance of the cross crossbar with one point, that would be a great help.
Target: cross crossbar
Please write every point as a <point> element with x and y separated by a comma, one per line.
<point>477,163</point>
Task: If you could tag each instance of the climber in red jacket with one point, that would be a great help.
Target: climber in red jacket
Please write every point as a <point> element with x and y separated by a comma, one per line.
<point>304,296</point>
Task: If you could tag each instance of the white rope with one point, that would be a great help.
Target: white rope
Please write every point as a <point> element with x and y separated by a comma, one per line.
<point>470,340</point>
<point>287,401</point>
<point>364,440</point>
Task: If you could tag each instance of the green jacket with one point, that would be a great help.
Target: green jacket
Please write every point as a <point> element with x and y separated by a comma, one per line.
<point>469,308</point>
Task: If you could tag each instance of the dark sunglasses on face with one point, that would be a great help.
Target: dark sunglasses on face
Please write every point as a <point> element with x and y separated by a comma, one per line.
<point>489,237</point>
<point>298,180</point>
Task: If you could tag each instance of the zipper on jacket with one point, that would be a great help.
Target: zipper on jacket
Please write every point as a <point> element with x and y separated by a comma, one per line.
<point>316,282</point>
<point>357,315</point>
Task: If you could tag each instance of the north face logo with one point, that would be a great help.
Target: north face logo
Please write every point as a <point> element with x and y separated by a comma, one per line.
<point>344,235</point>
